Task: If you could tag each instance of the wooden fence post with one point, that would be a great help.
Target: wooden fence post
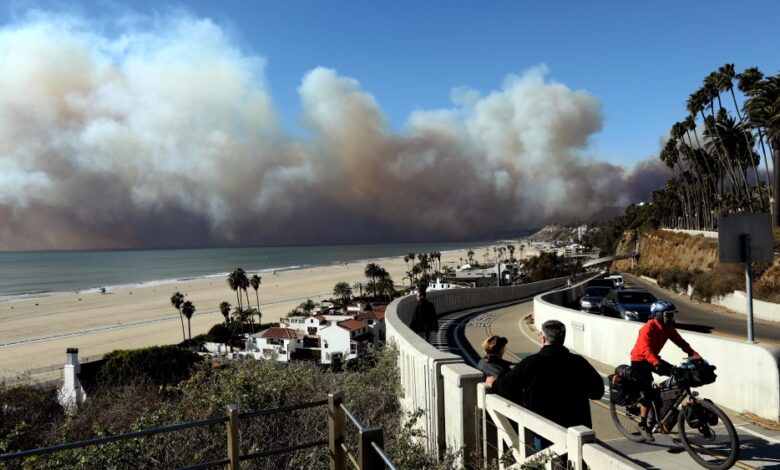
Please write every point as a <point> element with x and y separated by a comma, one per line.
<point>368,458</point>
<point>233,438</point>
<point>336,431</point>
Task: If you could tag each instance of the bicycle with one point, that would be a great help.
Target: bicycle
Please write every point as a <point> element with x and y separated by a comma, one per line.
<point>705,431</point>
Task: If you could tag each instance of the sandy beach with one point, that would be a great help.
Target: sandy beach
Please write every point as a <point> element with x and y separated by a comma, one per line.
<point>36,332</point>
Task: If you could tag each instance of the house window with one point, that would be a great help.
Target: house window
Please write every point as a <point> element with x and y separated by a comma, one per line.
<point>312,330</point>
<point>325,344</point>
<point>370,322</point>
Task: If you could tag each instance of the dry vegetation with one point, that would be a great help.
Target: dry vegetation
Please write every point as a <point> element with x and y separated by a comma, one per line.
<point>678,260</point>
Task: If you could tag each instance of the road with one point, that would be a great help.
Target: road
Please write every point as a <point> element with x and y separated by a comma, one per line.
<point>463,333</point>
<point>708,318</point>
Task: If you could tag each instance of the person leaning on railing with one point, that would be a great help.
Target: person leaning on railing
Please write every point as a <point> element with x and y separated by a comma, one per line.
<point>493,363</point>
<point>554,382</point>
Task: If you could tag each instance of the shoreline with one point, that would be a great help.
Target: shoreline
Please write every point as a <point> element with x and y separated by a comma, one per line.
<point>37,331</point>
<point>36,295</point>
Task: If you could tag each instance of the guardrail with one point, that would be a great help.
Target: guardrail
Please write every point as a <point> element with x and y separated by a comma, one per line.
<point>371,454</point>
<point>509,429</point>
<point>748,374</point>
<point>459,414</point>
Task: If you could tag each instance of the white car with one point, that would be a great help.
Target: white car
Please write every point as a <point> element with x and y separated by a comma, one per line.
<point>616,279</point>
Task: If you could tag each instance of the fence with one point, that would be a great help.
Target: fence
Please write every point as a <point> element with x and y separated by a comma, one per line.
<point>370,453</point>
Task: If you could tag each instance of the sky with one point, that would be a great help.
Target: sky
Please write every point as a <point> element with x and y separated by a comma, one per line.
<point>618,73</point>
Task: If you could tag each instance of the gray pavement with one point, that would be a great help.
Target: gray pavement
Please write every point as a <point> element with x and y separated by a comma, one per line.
<point>709,318</point>
<point>465,331</point>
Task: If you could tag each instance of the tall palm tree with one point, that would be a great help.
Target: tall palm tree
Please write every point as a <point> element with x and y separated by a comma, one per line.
<point>255,281</point>
<point>746,82</point>
<point>342,291</point>
<point>358,286</point>
<point>176,300</point>
<point>763,108</point>
<point>243,283</point>
<point>372,271</point>
<point>224,309</point>
<point>188,309</point>
<point>234,283</point>
<point>470,254</point>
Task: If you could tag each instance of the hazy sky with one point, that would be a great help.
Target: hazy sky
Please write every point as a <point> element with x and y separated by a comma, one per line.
<point>119,120</point>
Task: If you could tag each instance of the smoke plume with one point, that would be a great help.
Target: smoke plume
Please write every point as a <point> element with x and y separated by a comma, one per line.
<point>164,134</point>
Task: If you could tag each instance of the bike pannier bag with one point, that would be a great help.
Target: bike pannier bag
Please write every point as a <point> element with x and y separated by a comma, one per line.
<point>697,416</point>
<point>622,390</point>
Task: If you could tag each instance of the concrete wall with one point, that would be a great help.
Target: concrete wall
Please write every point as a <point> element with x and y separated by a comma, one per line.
<point>748,374</point>
<point>420,364</point>
<point>703,233</point>
<point>737,302</point>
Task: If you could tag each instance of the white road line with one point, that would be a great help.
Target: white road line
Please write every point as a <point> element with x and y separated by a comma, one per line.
<point>758,434</point>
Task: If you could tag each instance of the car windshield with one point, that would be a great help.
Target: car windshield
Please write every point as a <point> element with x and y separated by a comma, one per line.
<point>636,297</point>
<point>597,291</point>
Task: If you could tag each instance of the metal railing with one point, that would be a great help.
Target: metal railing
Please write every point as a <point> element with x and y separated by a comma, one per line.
<point>371,454</point>
<point>370,451</point>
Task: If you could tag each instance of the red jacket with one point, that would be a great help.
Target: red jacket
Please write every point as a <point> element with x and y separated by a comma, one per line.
<point>651,340</point>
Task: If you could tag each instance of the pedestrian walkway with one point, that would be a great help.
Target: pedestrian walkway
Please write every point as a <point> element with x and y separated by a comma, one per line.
<point>463,332</point>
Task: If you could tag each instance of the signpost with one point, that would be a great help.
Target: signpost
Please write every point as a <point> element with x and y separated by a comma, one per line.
<point>744,238</point>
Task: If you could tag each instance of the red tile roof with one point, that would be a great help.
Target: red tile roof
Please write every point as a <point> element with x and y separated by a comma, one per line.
<point>351,324</point>
<point>279,332</point>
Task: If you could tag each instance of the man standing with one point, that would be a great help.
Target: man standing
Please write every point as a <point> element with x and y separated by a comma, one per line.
<point>553,383</point>
<point>424,320</point>
<point>645,359</point>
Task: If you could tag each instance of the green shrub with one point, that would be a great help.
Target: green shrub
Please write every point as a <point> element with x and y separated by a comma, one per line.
<point>219,333</point>
<point>161,365</point>
<point>29,415</point>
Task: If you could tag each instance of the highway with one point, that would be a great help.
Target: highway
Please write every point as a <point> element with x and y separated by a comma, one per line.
<point>708,318</point>
<point>463,332</point>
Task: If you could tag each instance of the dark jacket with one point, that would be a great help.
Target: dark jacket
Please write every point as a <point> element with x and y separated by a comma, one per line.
<point>553,383</point>
<point>498,367</point>
<point>424,317</point>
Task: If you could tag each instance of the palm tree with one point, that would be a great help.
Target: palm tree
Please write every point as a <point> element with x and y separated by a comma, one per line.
<point>746,82</point>
<point>763,108</point>
<point>386,287</point>
<point>176,300</point>
<point>188,309</point>
<point>470,254</point>
<point>224,309</point>
<point>255,282</point>
<point>243,283</point>
<point>511,249</point>
<point>342,291</point>
<point>372,288</point>
<point>308,306</point>
<point>359,287</point>
<point>372,271</point>
<point>234,283</point>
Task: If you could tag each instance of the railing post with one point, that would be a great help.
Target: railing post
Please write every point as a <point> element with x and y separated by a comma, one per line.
<point>336,431</point>
<point>575,437</point>
<point>368,458</point>
<point>233,438</point>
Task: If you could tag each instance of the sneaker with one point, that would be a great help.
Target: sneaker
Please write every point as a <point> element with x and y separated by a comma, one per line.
<point>646,433</point>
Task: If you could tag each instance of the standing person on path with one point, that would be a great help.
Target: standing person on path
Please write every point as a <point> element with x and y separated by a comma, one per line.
<point>645,359</point>
<point>494,363</point>
<point>424,320</point>
<point>553,383</point>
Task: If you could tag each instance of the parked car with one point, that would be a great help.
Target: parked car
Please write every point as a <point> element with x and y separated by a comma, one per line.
<point>591,299</point>
<point>628,304</point>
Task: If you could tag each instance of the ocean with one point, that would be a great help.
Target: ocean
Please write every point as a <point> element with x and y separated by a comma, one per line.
<point>43,273</point>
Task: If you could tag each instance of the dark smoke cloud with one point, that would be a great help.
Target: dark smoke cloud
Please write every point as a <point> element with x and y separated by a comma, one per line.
<point>165,135</point>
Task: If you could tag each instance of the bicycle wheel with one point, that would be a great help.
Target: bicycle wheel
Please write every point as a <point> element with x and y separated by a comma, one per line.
<point>715,447</point>
<point>626,420</point>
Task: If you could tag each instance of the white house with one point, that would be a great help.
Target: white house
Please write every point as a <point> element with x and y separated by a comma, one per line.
<point>307,325</point>
<point>375,321</point>
<point>343,340</point>
<point>280,340</point>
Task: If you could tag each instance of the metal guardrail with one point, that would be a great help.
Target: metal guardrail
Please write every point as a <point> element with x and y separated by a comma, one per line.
<point>371,453</point>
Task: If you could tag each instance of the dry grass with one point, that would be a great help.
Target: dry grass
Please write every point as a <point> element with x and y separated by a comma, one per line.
<point>759,421</point>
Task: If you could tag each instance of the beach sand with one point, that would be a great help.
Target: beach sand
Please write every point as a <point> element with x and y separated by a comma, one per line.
<point>36,332</point>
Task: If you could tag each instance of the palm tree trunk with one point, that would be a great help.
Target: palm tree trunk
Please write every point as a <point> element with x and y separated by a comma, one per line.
<point>181,317</point>
<point>257,297</point>
<point>238,299</point>
<point>189,327</point>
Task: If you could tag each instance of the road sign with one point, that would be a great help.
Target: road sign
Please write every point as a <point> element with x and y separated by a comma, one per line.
<point>732,230</point>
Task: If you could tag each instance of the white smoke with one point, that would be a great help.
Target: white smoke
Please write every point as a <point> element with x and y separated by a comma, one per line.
<point>164,134</point>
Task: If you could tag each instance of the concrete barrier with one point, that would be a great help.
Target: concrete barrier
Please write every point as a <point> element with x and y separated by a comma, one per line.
<point>748,374</point>
<point>737,302</point>
<point>703,233</point>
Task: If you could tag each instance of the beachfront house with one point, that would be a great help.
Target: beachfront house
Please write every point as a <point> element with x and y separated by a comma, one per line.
<point>281,341</point>
<point>375,321</point>
<point>343,340</point>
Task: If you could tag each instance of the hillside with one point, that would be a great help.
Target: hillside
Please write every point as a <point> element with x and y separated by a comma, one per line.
<point>678,260</point>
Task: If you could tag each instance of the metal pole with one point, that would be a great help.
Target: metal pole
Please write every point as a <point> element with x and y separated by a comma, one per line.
<point>233,438</point>
<point>336,431</point>
<point>748,287</point>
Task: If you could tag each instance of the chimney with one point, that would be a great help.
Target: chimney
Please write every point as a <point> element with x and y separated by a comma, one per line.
<point>71,394</point>
<point>73,359</point>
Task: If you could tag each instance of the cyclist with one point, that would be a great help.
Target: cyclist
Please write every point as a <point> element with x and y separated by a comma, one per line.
<point>645,359</point>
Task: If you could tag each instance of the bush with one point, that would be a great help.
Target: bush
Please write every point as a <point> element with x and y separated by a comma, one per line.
<point>29,416</point>
<point>161,365</point>
<point>219,333</point>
